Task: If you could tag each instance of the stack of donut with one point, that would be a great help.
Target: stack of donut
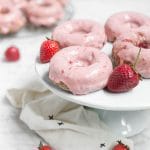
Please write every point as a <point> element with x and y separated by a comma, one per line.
<point>130,31</point>
<point>81,67</point>
<point>14,14</point>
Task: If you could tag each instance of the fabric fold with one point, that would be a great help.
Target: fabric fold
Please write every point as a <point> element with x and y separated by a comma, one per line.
<point>62,124</point>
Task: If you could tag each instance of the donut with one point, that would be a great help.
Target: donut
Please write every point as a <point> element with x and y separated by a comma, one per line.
<point>44,13</point>
<point>80,33</point>
<point>80,69</point>
<point>126,48</point>
<point>11,19</point>
<point>123,22</point>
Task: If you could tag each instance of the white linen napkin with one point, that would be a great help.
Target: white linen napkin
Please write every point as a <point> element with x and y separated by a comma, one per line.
<point>62,124</point>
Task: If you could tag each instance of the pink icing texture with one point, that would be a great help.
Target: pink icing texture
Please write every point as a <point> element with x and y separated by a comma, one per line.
<point>11,19</point>
<point>123,22</point>
<point>81,69</point>
<point>127,47</point>
<point>63,2</point>
<point>81,33</point>
<point>21,4</point>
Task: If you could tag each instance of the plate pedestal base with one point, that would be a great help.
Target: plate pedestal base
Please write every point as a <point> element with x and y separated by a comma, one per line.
<point>125,123</point>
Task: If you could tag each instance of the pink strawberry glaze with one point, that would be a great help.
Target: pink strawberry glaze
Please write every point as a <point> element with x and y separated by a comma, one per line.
<point>81,33</point>
<point>127,47</point>
<point>63,2</point>
<point>44,13</point>
<point>21,4</point>
<point>11,19</point>
<point>123,22</point>
<point>82,69</point>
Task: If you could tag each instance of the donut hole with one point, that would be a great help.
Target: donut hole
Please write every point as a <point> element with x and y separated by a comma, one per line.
<point>4,11</point>
<point>80,63</point>
<point>45,4</point>
<point>82,30</point>
<point>133,24</point>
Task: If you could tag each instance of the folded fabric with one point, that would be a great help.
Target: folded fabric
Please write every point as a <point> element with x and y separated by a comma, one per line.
<point>62,124</point>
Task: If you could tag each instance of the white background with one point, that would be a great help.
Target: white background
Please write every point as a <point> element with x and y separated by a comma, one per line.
<point>14,134</point>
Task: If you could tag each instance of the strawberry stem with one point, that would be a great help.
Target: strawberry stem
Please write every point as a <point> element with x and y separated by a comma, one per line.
<point>137,58</point>
<point>127,147</point>
<point>47,38</point>
<point>40,145</point>
<point>119,142</point>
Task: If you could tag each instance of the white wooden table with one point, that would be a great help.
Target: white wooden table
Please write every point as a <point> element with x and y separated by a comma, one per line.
<point>14,134</point>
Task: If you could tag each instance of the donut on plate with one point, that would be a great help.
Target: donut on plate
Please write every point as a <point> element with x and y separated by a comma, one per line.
<point>80,69</point>
<point>126,48</point>
<point>11,19</point>
<point>80,32</point>
<point>123,22</point>
<point>44,13</point>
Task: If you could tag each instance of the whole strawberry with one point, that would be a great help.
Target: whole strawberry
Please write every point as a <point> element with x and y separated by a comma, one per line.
<point>47,50</point>
<point>120,146</point>
<point>124,77</point>
<point>44,147</point>
<point>12,53</point>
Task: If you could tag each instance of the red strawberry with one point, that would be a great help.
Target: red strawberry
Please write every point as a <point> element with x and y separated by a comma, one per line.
<point>47,50</point>
<point>120,146</point>
<point>44,147</point>
<point>12,54</point>
<point>124,78</point>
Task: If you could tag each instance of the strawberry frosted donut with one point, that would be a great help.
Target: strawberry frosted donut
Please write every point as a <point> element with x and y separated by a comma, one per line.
<point>80,32</point>
<point>127,46</point>
<point>123,22</point>
<point>80,70</point>
<point>44,13</point>
<point>11,19</point>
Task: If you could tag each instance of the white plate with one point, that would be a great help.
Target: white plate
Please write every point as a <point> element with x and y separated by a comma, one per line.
<point>136,99</point>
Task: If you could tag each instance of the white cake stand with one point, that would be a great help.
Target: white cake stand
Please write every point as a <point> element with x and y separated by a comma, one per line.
<point>126,114</point>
